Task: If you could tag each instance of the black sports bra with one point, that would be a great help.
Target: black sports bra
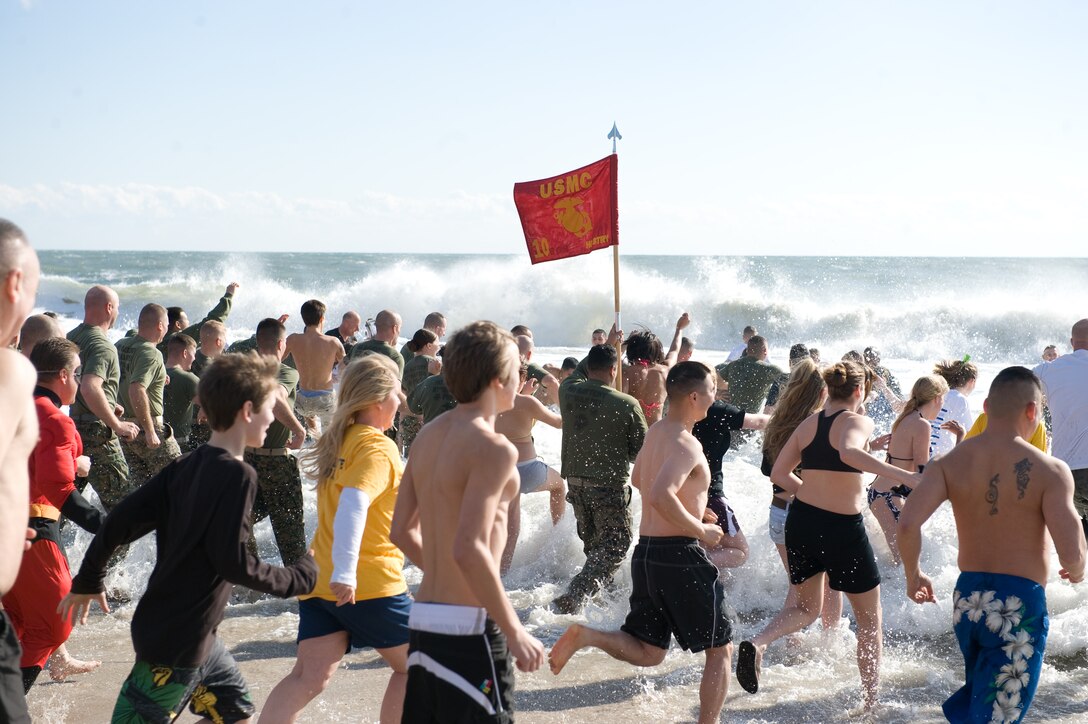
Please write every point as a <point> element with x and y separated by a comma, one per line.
<point>819,455</point>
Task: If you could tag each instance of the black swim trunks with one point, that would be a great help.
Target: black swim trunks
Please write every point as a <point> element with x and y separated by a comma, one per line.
<point>459,668</point>
<point>676,592</point>
<point>727,519</point>
<point>12,698</point>
<point>818,540</point>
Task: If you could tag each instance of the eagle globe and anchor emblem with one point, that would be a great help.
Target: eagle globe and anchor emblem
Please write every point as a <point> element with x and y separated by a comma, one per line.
<point>570,215</point>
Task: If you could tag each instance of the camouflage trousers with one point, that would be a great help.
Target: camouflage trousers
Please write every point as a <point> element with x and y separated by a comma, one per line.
<point>603,512</point>
<point>109,476</point>
<point>199,434</point>
<point>145,462</point>
<point>410,425</point>
<point>279,497</point>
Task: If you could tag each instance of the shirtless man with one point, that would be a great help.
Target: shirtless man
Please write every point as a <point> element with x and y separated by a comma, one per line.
<point>18,435</point>
<point>1007,498</point>
<point>547,390</point>
<point>533,473</point>
<point>450,519</point>
<point>644,376</point>
<point>676,591</point>
<point>316,354</point>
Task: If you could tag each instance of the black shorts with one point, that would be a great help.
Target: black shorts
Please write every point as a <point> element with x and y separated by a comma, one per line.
<point>463,678</point>
<point>726,518</point>
<point>676,592</point>
<point>12,700</point>
<point>818,540</point>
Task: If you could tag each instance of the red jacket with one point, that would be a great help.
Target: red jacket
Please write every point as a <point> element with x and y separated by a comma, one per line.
<point>53,462</point>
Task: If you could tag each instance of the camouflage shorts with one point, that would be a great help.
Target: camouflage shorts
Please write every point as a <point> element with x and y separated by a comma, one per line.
<point>109,476</point>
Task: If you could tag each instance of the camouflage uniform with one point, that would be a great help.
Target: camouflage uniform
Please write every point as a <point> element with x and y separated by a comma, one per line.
<point>145,462</point>
<point>279,497</point>
<point>279,483</point>
<point>109,476</point>
<point>603,513</point>
<point>603,430</point>
<point>109,470</point>
<point>142,364</point>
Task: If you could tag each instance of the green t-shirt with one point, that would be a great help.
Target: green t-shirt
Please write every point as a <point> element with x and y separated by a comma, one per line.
<point>750,380</point>
<point>219,313</point>
<point>415,371</point>
<point>603,429</point>
<point>406,354</point>
<point>177,400</point>
<point>431,398</point>
<point>376,345</point>
<point>141,363</point>
<point>98,357</point>
<point>243,345</point>
<point>278,434</point>
<point>200,363</point>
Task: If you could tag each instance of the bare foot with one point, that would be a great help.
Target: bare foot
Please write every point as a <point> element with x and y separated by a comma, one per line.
<point>564,648</point>
<point>61,669</point>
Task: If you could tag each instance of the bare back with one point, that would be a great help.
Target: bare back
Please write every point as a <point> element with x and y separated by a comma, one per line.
<point>647,385</point>
<point>670,456</point>
<point>517,424</point>
<point>18,436</point>
<point>1003,494</point>
<point>833,490</point>
<point>908,449</point>
<point>463,476</point>
<point>315,355</point>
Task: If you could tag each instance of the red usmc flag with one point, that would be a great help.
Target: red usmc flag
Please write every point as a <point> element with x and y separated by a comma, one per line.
<point>570,214</point>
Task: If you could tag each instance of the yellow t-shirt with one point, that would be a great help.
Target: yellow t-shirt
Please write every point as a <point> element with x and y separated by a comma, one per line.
<point>1038,438</point>
<point>370,462</point>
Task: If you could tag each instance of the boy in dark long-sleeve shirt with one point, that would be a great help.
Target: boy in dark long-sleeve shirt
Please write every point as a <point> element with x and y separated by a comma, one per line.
<point>199,507</point>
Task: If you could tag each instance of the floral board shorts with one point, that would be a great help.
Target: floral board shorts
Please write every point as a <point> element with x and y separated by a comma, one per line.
<point>1001,623</point>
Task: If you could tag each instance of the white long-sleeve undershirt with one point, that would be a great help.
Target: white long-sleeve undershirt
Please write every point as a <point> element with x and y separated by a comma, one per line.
<point>347,535</point>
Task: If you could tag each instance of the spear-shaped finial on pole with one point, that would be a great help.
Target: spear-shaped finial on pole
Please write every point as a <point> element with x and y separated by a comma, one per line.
<point>614,135</point>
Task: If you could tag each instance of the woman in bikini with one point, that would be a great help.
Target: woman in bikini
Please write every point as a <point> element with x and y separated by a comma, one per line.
<point>536,476</point>
<point>804,395</point>
<point>648,365</point>
<point>908,449</point>
<point>825,532</point>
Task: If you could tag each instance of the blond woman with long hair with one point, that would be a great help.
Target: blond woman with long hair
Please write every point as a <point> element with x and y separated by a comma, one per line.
<point>908,449</point>
<point>804,395</point>
<point>361,598</point>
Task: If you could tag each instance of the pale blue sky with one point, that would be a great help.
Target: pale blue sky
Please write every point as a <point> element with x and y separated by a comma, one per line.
<point>760,127</point>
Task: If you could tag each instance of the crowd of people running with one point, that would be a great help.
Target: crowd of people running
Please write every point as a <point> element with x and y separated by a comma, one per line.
<point>420,455</point>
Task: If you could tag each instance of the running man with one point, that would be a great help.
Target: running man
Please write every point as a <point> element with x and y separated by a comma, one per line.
<point>1007,498</point>
<point>450,519</point>
<point>315,354</point>
<point>676,591</point>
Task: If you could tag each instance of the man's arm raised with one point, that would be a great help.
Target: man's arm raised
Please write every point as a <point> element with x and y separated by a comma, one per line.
<point>674,348</point>
<point>1064,524</point>
<point>927,496</point>
<point>491,472</point>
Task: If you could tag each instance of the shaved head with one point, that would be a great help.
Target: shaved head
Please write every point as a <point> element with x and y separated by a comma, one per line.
<point>1012,391</point>
<point>19,272</point>
<point>1079,337</point>
<point>525,345</point>
<point>36,328</point>
<point>100,306</point>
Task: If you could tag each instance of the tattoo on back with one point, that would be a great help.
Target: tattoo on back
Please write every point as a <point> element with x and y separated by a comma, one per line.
<point>991,494</point>
<point>1022,468</point>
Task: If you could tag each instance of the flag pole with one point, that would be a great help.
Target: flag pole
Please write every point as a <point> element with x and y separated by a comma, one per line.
<point>614,135</point>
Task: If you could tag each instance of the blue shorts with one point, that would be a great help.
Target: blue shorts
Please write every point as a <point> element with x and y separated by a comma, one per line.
<point>1001,624</point>
<point>379,623</point>
<point>533,475</point>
